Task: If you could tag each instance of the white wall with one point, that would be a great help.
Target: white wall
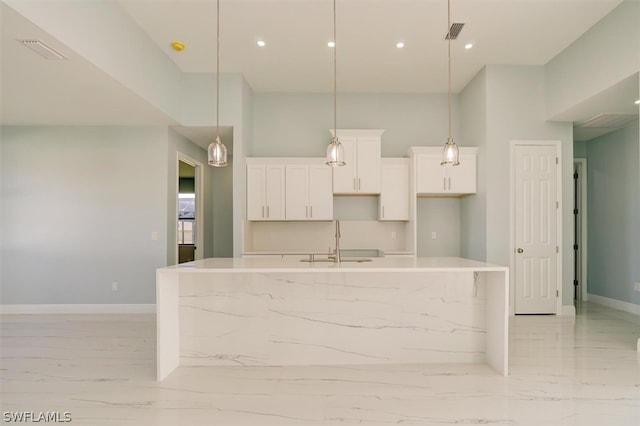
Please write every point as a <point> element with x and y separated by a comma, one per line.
<point>79,206</point>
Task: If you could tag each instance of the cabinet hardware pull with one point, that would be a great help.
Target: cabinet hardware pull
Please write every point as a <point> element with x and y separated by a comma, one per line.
<point>306,211</point>
<point>359,184</point>
<point>311,209</point>
<point>449,184</point>
<point>267,212</point>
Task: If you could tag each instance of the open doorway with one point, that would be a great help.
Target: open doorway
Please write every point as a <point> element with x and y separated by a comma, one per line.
<point>189,202</point>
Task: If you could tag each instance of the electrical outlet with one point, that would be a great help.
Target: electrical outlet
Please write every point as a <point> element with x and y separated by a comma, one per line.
<point>154,236</point>
<point>114,286</point>
<point>393,235</point>
<point>637,286</point>
<point>434,235</point>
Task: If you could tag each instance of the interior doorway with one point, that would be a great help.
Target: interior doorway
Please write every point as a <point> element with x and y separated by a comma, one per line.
<point>189,210</point>
<point>537,227</point>
<point>580,228</point>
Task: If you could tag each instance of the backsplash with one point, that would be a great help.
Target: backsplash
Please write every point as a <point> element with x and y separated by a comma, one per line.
<point>319,237</point>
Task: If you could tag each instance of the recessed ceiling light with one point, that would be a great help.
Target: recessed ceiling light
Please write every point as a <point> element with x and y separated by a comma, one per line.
<point>331,44</point>
<point>400,45</point>
<point>468,46</point>
<point>262,43</point>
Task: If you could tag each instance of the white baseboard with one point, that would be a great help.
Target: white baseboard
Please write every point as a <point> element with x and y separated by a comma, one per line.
<point>79,309</point>
<point>568,310</point>
<point>615,304</point>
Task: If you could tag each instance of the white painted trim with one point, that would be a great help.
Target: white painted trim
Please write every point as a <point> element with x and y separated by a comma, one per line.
<point>559,226</point>
<point>79,309</point>
<point>582,165</point>
<point>568,311</point>
<point>615,304</point>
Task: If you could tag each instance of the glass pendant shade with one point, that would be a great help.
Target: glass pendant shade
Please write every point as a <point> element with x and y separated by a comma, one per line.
<point>217,154</point>
<point>450,154</point>
<point>335,153</point>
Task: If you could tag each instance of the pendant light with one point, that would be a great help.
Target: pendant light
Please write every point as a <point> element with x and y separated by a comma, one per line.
<point>335,150</point>
<point>450,153</point>
<point>217,152</point>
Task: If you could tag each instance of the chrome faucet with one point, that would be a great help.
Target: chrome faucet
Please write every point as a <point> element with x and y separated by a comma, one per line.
<point>335,255</point>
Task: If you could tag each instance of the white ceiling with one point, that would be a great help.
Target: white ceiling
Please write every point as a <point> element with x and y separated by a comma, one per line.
<point>296,58</point>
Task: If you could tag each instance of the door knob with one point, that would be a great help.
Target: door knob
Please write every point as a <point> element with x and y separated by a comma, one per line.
<point>520,250</point>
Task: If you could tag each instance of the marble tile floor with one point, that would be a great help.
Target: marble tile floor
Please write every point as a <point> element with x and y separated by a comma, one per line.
<point>101,369</point>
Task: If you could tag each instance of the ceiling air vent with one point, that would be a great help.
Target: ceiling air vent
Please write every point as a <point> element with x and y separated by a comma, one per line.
<point>42,49</point>
<point>454,31</point>
<point>609,121</point>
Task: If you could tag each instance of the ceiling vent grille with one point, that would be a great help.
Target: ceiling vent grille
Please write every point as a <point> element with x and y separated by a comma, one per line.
<point>454,31</point>
<point>609,121</point>
<point>42,49</point>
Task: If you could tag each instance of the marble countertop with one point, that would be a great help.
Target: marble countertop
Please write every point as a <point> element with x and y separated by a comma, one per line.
<point>387,264</point>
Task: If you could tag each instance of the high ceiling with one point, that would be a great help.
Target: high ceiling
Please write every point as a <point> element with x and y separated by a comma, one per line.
<point>296,57</point>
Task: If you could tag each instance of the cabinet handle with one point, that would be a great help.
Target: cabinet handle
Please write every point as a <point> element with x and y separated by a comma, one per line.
<point>449,184</point>
<point>359,182</point>
<point>444,184</point>
<point>267,212</point>
<point>306,211</point>
<point>311,210</point>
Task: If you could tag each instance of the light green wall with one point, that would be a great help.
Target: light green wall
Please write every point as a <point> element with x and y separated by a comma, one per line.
<point>613,214</point>
<point>79,205</point>
<point>579,149</point>
<point>606,54</point>
<point>473,217</point>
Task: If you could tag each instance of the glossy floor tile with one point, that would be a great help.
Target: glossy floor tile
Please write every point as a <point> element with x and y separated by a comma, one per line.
<point>101,369</point>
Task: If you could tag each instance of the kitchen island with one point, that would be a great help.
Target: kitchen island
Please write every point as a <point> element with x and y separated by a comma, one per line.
<point>281,311</point>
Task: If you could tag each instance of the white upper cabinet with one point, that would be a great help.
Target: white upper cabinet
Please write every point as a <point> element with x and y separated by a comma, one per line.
<point>361,174</point>
<point>309,194</point>
<point>394,189</point>
<point>437,180</point>
<point>265,191</point>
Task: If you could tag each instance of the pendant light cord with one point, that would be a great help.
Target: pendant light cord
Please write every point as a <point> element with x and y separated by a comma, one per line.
<point>218,70</point>
<point>449,59</point>
<point>335,74</point>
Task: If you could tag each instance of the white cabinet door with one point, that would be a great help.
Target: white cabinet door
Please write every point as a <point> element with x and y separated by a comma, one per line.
<point>463,176</point>
<point>297,192</point>
<point>430,176</point>
<point>344,177</point>
<point>256,176</point>
<point>265,192</point>
<point>361,173</point>
<point>275,192</point>
<point>368,173</point>
<point>320,192</point>
<point>394,189</point>
<point>434,179</point>
<point>309,193</point>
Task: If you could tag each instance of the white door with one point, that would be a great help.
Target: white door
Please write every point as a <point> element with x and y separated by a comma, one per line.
<point>320,192</point>
<point>394,190</point>
<point>368,179</point>
<point>536,220</point>
<point>275,192</point>
<point>297,193</point>
<point>344,177</point>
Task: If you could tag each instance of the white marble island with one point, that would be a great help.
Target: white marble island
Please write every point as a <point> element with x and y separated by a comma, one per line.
<point>280,311</point>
